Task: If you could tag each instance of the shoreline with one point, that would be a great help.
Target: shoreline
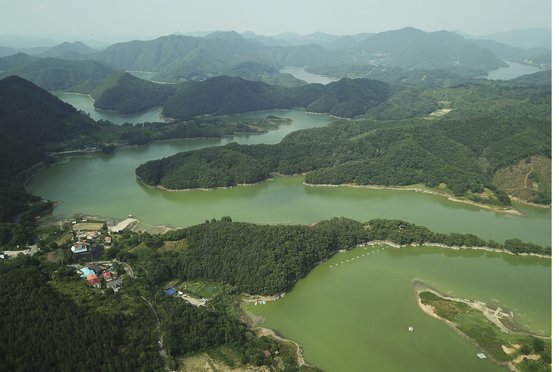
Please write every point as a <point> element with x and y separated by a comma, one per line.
<point>420,190</point>
<point>492,315</point>
<point>123,116</point>
<point>200,188</point>
<point>530,204</point>
<point>253,321</point>
<point>508,211</point>
<point>453,247</point>
<point>430,311</point>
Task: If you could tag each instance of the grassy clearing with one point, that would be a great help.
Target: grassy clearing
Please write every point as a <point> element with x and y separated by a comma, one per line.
<point>174,246</point>
<point>200,288</point>
<point>528,180</point>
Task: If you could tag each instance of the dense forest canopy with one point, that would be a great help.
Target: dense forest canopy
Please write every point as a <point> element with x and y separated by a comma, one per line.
<point>493,126</point>
<point>486,134</point>
<point>224,95</point>
<point>269,259</point>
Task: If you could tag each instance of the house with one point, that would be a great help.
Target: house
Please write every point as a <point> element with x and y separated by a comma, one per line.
<point>170,291</point>
<point>115,284</point>
<point>91,235</point>
<point>107,276</point>
<point>94,280</point>
<point>79,247</point>
<point>107,240</point>
<point>86,271</point>
<point>95,283</point>
<point>267,353</point>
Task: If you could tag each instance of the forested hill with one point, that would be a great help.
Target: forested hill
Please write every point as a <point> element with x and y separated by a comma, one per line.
<point>269,259</point>
<point>178,58</point>
<point>413,48</point>
<point>225,95</point>
<point>494,126</point>
<point>31,119</point>
<point>55,73</point>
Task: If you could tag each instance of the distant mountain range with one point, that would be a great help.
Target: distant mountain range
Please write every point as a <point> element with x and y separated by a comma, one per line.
<point>524,38</point>
<point>412,48</point>
<point>75,50</point>
<point>407,55</point>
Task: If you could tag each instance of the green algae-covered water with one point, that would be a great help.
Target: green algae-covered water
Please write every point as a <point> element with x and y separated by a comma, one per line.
<point>105,185</point>
<point>354,316</point>
<point>85,103</point>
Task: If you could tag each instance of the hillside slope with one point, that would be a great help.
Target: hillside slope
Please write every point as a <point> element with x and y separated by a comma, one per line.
<point>59,74</point>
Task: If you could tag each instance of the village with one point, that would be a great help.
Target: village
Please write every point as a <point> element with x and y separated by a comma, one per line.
<point>86,242</point>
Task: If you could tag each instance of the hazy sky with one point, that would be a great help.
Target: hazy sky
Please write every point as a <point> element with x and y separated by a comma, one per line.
<point>123,19</point>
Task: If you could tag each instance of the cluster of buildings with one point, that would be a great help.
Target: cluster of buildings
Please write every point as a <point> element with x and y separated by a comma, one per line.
<point>96,275</point>
<point>88,239</point>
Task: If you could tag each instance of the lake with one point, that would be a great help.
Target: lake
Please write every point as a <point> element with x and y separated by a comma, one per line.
<point>302,74</point>
<point>105,185</point>
<point>353,316</point>
<point>514,70</point>
<point>85,103</point>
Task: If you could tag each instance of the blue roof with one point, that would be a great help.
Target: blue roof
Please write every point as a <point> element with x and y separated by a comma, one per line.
<point>170,291</point>
<point>86,271</point>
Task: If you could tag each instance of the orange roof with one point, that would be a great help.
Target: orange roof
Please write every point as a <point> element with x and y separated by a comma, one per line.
<point>92,277</point>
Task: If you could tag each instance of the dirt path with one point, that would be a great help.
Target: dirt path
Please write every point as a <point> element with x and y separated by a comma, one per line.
<point>528,175</point>
<point>162,351</point>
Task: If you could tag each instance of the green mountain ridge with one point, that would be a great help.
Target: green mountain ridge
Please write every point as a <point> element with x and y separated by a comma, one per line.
<point>412,48</point>
<point>224,95</point>
<point>495,126</point>
<point>32,119</point>
<point>57,74</point>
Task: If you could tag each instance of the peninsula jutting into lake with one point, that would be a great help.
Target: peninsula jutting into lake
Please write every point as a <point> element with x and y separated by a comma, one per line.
<point>226,201</point>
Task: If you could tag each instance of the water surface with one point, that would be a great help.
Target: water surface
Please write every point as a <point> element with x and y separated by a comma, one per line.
<point>105,185</point>
<point>309,77</point>
<point>514,70</point>
<point>85,103</point>
<point>354,316</point>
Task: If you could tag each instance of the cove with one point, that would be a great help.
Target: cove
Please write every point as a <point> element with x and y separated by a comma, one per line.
<point>354,316</point>
<point>309,77</point>
<point>105,185</point>
<point>85,103</point>
<point>513,70</point>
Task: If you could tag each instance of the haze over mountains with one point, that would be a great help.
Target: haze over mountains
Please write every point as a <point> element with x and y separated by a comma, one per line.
<point>408,56</point>
<point>176,57</point>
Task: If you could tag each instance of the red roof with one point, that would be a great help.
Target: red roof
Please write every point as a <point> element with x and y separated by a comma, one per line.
<point>267,353</point>
<point>93,281</point>
<point>107,275</point>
